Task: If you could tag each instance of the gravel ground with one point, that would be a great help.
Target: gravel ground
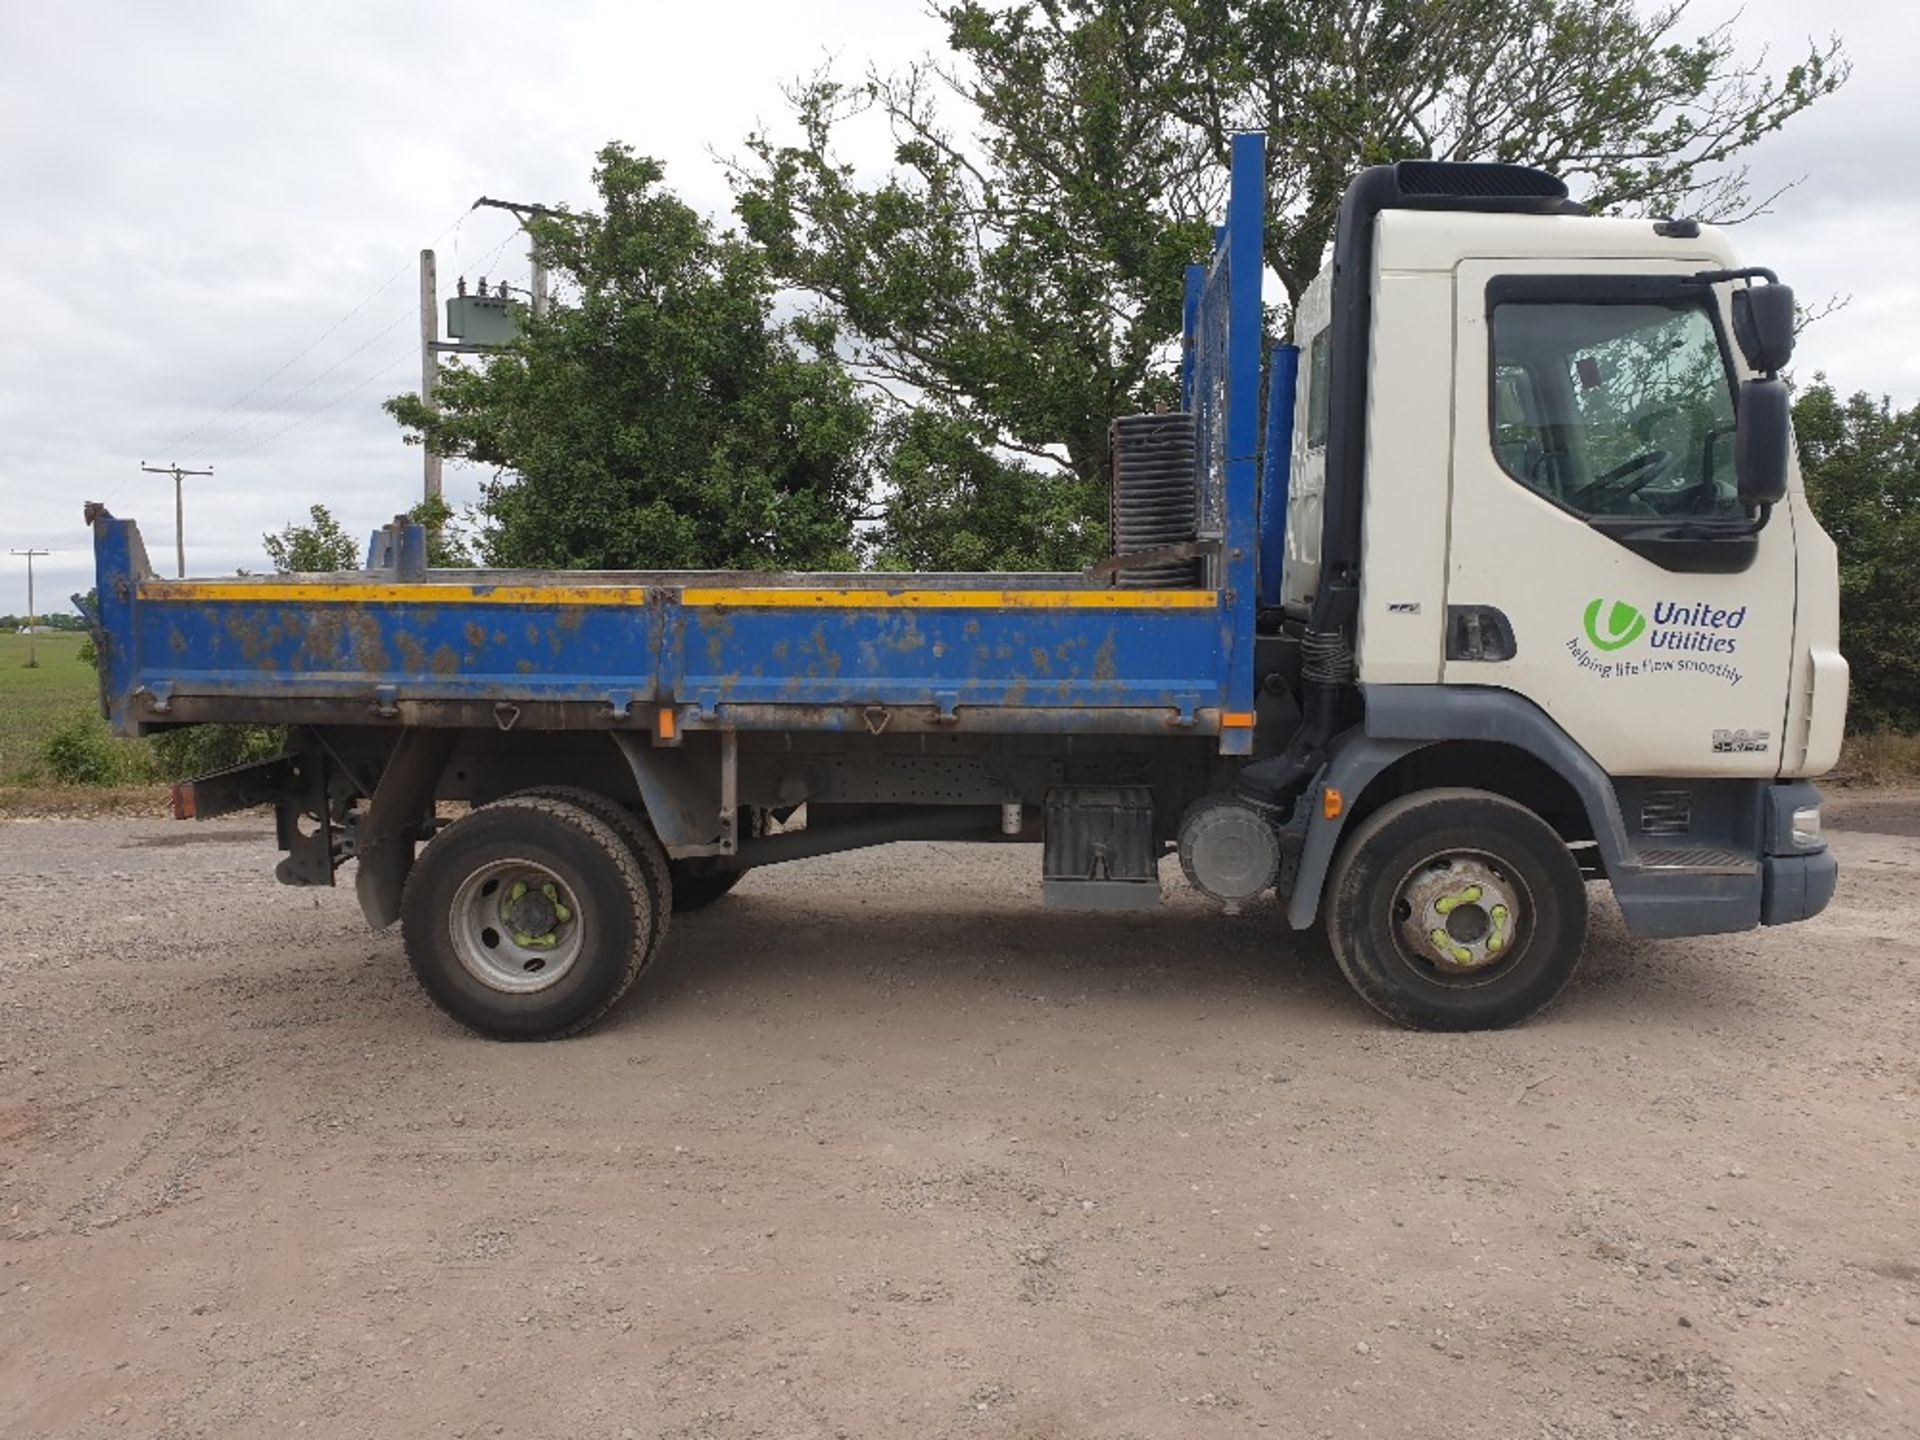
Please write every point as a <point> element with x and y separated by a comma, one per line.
<point>885,1148</point>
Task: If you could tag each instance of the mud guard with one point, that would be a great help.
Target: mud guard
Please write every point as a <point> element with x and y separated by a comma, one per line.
<point>386,835</point>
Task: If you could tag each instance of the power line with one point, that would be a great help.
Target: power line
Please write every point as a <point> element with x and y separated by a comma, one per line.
<point>228,436</point>
<point>236,431</point>
<point>379,290</point>
<point>319,410</point>
<point>219,442</point>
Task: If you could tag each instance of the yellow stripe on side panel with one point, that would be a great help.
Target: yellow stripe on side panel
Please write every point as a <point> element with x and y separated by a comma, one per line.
<point>764,598</point>
<point>776,599</point>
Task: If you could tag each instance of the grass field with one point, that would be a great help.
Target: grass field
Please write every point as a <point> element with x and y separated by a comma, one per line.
<point>34,703</point>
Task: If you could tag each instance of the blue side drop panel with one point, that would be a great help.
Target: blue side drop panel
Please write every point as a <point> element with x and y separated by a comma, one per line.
<point>944,657</point>
<point>436,650</point>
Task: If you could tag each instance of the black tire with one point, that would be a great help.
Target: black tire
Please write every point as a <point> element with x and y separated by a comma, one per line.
<point>1309,945</point>
<point>695,888</point>
<point>601,901</point>
<point>697,884</point>
<point>1507,962</point>
<point>634,828</point>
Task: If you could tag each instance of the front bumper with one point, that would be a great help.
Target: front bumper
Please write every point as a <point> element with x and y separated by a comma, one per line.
<point>1795,883</point>
<point>1796,887</point>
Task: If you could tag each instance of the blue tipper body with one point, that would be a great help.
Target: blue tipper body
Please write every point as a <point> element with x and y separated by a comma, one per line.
<point>1024,653</point>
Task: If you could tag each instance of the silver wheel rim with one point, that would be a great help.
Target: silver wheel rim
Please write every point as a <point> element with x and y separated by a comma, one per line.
<point>516,927</point>
<point>1462,917</point>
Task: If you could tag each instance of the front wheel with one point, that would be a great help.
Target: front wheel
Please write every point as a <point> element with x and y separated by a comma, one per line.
<point>527,919</point>
<point>1456,910</point>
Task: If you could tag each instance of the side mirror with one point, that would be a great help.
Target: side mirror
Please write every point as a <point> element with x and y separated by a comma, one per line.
<point>1763,324</point>
<point>1762,437</point>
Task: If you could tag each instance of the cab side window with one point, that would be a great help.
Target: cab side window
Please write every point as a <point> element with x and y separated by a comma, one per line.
<point>1319,389</point>
<point>1614,410</point>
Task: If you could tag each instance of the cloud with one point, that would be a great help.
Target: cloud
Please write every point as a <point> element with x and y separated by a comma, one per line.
<point>198,191</point>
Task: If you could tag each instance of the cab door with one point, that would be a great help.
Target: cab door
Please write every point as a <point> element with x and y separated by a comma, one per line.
<point>1594,509</point>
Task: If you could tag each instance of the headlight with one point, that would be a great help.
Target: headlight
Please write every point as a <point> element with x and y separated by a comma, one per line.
<point>1806,828</point>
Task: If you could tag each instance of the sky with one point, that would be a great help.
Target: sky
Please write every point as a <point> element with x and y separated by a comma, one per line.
<point>213,214</point>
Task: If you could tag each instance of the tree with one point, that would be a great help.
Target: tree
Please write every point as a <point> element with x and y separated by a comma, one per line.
<point>1023,273</point>
<point>952,504</point>
<point>659,416</point>
<point>1611,96</point>
<point>1861,462</point>
<point>1025,291</point>
<point>447,546</point>
<point>319,545</point>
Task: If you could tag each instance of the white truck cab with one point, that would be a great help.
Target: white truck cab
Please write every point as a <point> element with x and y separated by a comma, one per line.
<point>1552,399</point>
<point>1545,542</point>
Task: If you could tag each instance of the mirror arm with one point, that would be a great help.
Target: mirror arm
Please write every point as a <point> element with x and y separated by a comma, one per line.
<point>1721,277</point>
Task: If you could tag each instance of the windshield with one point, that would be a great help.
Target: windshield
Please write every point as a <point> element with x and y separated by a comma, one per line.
<point>1615,409</point>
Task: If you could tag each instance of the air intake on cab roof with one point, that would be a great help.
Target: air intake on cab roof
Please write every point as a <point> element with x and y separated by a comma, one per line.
<point>1477,181</point>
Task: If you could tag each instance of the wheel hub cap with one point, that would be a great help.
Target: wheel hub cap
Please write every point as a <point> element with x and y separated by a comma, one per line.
<point>515,926</point>
<point>1460,913</point>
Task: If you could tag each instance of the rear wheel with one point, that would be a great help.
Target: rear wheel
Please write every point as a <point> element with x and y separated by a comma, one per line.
<point>527,919</point>
<point>1456,910</point>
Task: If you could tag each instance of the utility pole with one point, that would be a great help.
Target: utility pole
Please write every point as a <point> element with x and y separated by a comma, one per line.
<point>514,207</point>
<point>33,618</point>
<point>179,508</point>
<point>429,362</point>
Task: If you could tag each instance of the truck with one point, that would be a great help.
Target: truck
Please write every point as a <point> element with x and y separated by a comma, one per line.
<point>1497,583</point>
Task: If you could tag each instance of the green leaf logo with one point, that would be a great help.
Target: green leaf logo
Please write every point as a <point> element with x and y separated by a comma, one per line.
<point>1624,625</point>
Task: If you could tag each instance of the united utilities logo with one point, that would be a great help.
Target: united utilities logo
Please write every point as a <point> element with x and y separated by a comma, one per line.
<point>1614,627</point>
<point>1694,629</point>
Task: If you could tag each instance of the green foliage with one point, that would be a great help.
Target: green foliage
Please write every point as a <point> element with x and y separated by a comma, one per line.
<point>448,547</point>
<point>318,546</point>
<point>1861,462</point>
<point>1612,96</point>
<point>953,505</point>
<point>59,620</point>
<point>659,416</point>
<point>201,749</point>
<point>1022,277</point>
<point>1024,280</point>
<point>81,752</point>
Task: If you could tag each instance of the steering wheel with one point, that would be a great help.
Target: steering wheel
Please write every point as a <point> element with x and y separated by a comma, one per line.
<point>1629,477</point>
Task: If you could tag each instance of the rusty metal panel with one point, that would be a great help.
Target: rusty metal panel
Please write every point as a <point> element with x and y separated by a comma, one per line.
<point>946,658</point>
<point>1026,653</point>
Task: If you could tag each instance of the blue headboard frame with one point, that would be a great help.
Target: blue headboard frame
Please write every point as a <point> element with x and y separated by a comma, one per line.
<point>1221,385</point>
